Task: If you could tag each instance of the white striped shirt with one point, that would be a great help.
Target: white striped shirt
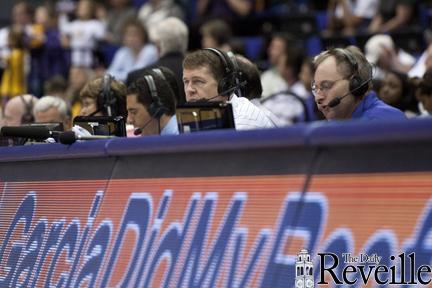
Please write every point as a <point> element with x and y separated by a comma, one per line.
<point>247,115</point>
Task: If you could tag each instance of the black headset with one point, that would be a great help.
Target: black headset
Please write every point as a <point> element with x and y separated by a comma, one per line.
<point>106,100</point>
<point>231,81</point>
<point>28,116</point>
<point>159,72</point>
<point>156,108</point>
<point>357,86</point>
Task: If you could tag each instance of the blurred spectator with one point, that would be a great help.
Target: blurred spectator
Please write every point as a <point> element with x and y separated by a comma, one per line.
<point>56,86</point>
<point>289,103</point>
<point>381,51</point>
<point>19,110</point>
<point>216,33</point>
<point>250,87</point>
<point>14,77</point>
<point>423,63</point>
<point>424,94</point>
<point>154,11</point>
<point>393,15</point>
<point>54,58</point>
<point>82,34</point>
<point>48,57</point>
<point>398,92</point>
<point>151,105</point>
<point>229,10</point>
<point>289,67</point>
<point>341,87</point>
<point>349,16</point>
<point>78,77</point>
<point>171,37</point>
<point>94,101</point>
<point>35,45</point>
<point>22,14</point>
<point>51,109</point>
<point>22,17</point>
<point>120,12</point>
<point>203,73</point>
<point>271,79</point>
<point>37,28</point>
<point>135,53</point>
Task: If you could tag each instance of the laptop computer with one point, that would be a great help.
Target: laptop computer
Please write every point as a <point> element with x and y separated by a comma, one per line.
<point>201,116</point>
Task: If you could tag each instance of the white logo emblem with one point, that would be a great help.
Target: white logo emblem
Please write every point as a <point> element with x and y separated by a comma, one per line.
<point>304,270</point>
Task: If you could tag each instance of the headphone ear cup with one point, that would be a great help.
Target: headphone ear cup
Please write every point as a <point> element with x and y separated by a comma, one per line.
<point>223,86</point>
<point>156,108</point>
<point>227,85</point>
<point>358,87</point>
<point>27,118</point>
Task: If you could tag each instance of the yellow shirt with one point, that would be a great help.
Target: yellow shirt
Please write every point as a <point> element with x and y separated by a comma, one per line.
<point>37,35</point>
<point>14,79</point>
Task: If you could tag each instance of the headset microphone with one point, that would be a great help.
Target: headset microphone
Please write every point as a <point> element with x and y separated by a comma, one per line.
<point>228,91</point>
<point>139,130</point>
<point>336,101</point>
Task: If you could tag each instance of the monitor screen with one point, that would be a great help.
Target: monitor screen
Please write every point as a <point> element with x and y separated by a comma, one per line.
<point>102,125</point>
<point>197,116</point>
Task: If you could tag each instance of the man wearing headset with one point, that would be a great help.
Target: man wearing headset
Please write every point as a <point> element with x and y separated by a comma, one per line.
<point>151,104</point>
<point>341,87</point>
<point>19,110</point>
<point>212,75</point>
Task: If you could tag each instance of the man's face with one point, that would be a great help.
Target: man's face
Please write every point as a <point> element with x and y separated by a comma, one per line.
<point>330,83</point>
<point>50,116</point>
<point>200,84</point>
<point>139,117</point>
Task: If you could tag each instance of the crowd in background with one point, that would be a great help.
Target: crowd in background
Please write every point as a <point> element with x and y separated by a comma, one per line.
<point>56,48</point>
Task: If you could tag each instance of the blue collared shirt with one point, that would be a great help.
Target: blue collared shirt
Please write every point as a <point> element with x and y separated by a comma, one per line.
<point>372,108</point>
<point>171,128</point>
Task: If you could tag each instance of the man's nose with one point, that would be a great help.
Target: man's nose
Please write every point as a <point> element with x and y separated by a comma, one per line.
<point>319,96</point>
<point>189,88</point>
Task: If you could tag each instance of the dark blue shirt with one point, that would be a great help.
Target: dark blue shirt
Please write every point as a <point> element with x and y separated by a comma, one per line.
<point>372,108</point>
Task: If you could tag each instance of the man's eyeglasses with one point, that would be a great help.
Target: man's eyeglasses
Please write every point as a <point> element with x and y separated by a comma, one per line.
<point>324,86</point>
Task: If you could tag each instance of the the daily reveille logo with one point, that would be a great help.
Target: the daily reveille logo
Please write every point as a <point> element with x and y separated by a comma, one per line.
<point>362,269</point>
